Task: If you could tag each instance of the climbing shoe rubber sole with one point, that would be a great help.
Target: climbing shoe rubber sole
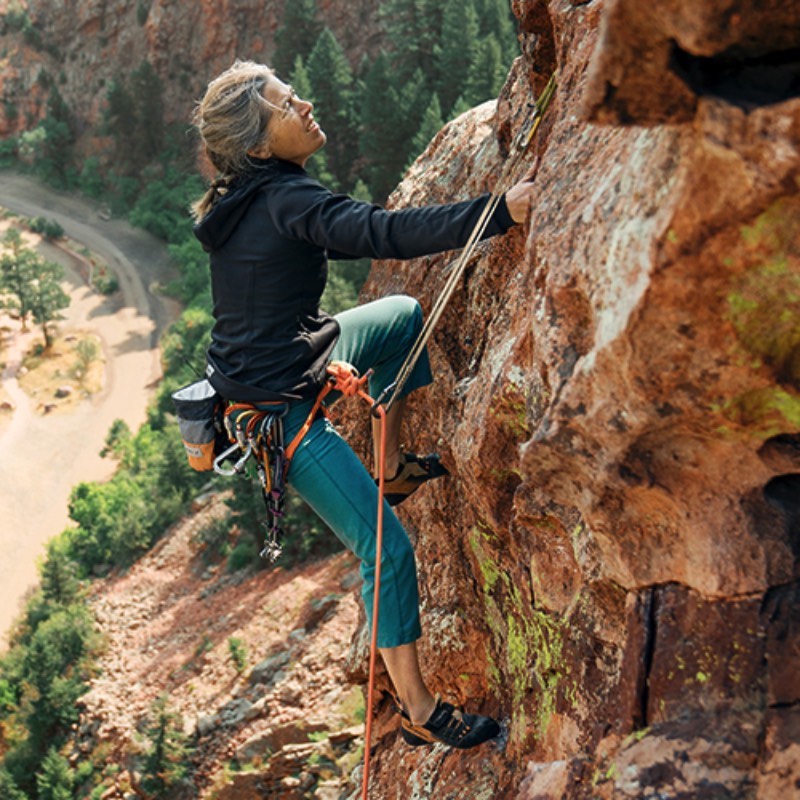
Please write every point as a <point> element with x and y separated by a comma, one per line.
<point>413,472</point>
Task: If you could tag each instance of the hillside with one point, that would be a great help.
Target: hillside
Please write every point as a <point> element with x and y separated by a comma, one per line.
<point>612,567</point>
<point>254,664</point>
<point>83,47</point>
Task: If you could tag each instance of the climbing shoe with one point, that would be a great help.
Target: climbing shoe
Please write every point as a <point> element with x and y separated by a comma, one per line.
<point>412,473</point>
<point>450,726</point>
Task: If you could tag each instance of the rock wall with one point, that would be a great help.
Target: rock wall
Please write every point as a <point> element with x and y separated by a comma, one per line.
<point>613,567</point>
<point>82,47</point>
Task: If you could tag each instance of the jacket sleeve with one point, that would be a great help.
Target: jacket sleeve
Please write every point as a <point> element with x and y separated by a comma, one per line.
<point>348,228</point>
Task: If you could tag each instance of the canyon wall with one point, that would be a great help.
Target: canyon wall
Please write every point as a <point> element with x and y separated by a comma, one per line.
<point>612,568</point>
<point>83,47</point>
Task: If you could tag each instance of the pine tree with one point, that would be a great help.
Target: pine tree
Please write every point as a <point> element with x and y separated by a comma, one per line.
<point>55,158</point>
<point>299,79</point>
<point>297,35</point>
<point>120,119</point>
<point>332,86</point>
<point>486,74</point>
<point>461,107</point>
<point>54,665</point>
<point>167,755</point>
<point>318,163</point>
<point>458,51</point>
<point>60,583</point>
<point>413,28</point>
<point>148,97</point>
<point>135,119</point>
<point>414,101</point>
<point>379,129</point>
<point>496,20</point>
<point>431,124</point>
<point>8,788</point>
<point>56,779</point>
<point>390,117</point>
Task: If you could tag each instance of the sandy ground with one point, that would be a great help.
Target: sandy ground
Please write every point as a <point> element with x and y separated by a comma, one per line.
<point>44,456</point>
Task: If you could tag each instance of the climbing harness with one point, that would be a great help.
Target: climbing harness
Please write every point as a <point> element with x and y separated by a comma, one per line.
<point>256,431</point>
<point>520,144</point>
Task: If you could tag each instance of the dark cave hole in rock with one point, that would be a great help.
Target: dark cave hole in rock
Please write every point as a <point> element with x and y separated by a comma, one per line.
<point>742,80</point>
<point>783,493</point>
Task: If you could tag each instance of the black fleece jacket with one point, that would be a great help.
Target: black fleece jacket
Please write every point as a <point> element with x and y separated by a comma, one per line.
<point>269,238</point>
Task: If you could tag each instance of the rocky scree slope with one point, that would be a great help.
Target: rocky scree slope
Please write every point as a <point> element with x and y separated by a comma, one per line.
<point>253,664</point>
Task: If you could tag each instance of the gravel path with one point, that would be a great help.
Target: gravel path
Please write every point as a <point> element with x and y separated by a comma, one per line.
<point>44,456</point>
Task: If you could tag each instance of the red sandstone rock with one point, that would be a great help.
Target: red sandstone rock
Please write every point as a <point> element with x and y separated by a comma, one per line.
<point>618,399</point>
<point>87,45</point>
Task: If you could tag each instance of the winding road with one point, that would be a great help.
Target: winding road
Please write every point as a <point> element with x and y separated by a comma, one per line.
<point>43,456</point>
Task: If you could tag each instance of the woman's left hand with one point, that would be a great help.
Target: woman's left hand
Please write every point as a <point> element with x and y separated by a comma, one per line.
<point>518,200</point>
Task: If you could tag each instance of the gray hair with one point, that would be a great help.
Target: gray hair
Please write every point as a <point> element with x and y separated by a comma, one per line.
<point>232,120</point>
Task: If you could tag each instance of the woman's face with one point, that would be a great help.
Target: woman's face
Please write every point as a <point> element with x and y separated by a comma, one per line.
<point>292,133</point>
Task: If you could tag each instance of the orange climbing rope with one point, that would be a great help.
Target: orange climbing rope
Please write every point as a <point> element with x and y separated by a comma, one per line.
<point>518,148</point>
<point>346,380</point>
<point>373,645</point>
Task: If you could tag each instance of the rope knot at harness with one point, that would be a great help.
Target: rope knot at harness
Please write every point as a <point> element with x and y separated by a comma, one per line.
<point>345,378</point>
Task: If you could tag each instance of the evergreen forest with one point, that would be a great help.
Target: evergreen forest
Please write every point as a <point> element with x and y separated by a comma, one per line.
<point>437,59</point>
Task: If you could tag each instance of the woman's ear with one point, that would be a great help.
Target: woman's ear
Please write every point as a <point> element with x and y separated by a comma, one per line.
<point>262,151</point>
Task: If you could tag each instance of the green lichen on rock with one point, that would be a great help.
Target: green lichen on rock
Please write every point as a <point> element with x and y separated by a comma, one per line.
<point>526,655</point>
<point>488,567</point>
<point>764,303</point>
<point>510,410</point>
<point>764,309</point>
<point>770,409</point>
<point>536,661</point>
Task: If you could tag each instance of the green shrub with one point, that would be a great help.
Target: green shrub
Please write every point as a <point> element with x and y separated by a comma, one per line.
<point>167,756</point>
<point>238,653</point>
<point>105,282</point>
<point>56,779</point>
<point>48,228</point>
<point>90,179</point>
<point>9,149</point>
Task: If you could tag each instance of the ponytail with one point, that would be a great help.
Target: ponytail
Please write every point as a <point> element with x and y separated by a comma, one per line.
<point>232,120</point>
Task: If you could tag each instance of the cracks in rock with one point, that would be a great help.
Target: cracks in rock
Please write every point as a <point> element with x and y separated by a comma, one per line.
<point>782,706</point>
<point>747,81</point>
<point>649,603</point>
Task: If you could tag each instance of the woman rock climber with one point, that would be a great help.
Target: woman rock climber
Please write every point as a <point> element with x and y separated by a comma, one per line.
<point>270,229</point>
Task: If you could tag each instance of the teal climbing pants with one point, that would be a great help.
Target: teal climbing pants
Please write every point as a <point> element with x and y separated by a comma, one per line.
<point>331,478</point>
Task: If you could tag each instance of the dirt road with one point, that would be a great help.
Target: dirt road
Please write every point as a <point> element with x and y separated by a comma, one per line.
<point>43,456</point>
